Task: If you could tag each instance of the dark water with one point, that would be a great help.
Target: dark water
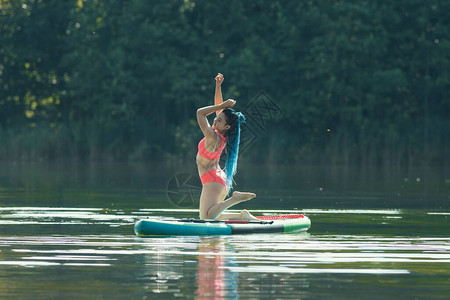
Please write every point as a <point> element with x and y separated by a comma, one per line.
<point>66,231</point>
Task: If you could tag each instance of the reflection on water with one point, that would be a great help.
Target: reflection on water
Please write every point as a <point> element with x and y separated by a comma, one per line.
<point>66,231</point>
<point>58,216</point>
<point>131,185</point>
<point>92,252</point>
<point>214,280</point>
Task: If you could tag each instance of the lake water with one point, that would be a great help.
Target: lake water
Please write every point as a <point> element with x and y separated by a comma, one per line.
<point>66,231</point>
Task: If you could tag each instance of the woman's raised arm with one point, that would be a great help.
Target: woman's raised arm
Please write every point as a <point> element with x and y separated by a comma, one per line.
<point>218,94</point>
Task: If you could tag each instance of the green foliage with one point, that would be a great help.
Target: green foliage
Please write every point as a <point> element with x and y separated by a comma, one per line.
<point>359,81</point>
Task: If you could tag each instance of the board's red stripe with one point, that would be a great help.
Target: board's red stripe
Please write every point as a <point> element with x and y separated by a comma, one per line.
<point>278,217</point>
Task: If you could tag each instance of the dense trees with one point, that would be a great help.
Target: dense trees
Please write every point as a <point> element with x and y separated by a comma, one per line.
<point>363,82</point>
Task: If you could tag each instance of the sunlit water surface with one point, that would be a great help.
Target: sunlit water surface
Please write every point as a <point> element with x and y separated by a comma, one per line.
<point>66,232</point>
<point>50,252</point>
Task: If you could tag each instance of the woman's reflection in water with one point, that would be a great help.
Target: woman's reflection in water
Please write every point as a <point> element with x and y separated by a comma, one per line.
<point>213,280</point>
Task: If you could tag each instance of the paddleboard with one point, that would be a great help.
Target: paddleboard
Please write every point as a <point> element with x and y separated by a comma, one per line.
<point>264,224</point>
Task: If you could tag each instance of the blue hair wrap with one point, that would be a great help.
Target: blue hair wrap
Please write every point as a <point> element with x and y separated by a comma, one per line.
<point>233,150</point>
<point>241,117</point>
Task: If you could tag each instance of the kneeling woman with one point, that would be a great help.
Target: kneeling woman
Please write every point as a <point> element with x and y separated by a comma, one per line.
<point>217,183</point>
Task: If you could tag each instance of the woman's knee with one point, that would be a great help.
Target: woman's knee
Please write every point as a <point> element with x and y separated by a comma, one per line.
<point>210,215</point>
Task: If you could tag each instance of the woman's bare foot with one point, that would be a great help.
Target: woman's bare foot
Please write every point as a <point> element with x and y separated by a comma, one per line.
<point>241,196</point>
<point>245,215</point>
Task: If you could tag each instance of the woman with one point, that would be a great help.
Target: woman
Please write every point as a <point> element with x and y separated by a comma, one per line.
<point>225,132</point>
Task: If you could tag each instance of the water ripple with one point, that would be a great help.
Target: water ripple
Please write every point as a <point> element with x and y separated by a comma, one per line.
<point>92,249</point>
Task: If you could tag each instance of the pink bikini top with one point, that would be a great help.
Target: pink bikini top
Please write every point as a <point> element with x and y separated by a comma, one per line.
<point>215,155</point>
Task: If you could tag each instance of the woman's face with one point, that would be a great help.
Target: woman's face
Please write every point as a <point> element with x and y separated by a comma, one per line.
<point>220,123</point>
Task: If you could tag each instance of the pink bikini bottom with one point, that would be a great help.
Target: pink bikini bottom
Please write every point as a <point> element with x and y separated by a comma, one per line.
<point>216,175</point>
